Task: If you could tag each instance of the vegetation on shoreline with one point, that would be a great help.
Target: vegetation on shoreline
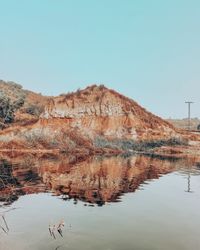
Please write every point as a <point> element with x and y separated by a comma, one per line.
<point>131,145</point>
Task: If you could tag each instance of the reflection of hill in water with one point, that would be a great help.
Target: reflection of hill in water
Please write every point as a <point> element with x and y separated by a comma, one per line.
<point>95,180</point>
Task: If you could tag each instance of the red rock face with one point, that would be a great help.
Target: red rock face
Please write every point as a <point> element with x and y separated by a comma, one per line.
<point>100,111</point>
<point>73,122</point>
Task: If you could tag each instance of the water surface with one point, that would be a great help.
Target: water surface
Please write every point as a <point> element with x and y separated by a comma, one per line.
<point>107,203</point>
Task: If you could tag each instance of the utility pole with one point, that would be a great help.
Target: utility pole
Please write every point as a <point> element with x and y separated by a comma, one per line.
<point>189,104</point>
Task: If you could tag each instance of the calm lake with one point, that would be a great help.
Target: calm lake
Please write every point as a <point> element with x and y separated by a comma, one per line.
<point>106,203</point>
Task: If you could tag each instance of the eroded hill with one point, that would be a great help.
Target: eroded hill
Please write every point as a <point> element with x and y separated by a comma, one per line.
<point>93,120</point>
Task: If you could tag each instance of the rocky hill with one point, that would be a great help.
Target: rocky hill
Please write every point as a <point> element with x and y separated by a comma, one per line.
<point>96,119</point>
<point>98,110</point>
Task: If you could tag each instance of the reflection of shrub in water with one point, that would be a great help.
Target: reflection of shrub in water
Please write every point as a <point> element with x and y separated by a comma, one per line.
<point>8,183</point>
<point>6,177</point>
<point>12,187</point>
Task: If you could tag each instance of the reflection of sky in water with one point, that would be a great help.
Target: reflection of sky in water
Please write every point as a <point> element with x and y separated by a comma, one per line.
<point>160,215</point>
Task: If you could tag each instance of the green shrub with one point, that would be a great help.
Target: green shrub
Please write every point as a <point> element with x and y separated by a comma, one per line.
<point>8,108</point>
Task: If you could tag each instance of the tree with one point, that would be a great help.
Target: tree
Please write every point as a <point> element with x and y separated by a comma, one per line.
<point>8,108</point>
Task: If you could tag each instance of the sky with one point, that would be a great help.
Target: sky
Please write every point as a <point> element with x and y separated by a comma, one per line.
<point>148,50</point>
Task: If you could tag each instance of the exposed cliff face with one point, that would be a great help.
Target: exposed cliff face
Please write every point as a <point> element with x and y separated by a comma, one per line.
<point>87,122</point>
<point>97,110</point>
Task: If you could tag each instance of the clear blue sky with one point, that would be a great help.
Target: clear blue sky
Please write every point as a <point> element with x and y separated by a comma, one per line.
<point>148,50</point>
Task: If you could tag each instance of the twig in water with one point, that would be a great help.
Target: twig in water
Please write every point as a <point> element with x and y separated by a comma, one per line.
<point>59,228</point>
<point>4,230</point>
<point>5,222</point>
<point>57,247</point>
<point>60,231</point>
<point>50,230</point>
<point>53,230</point>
